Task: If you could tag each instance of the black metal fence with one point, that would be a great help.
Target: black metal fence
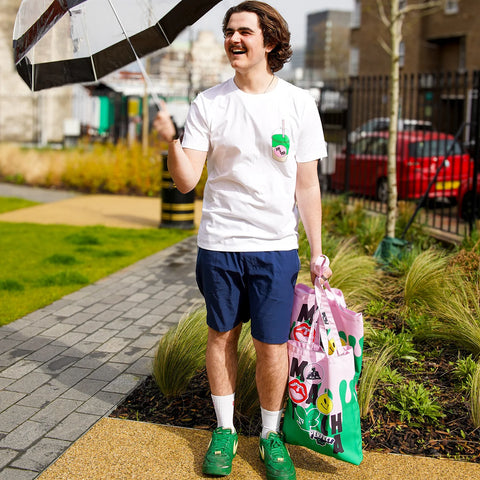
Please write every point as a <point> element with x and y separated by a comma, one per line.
<point>431,171</point>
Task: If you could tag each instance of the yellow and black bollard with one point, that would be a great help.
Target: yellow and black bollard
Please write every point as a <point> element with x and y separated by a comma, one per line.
<point>178,209</point>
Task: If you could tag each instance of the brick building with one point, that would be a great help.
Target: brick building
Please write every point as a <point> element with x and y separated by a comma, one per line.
<point>328,39</point>
<point>444,39</point>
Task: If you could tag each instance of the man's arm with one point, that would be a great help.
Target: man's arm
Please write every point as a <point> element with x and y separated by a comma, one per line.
<point>185,165</point>
<point>309,203</point>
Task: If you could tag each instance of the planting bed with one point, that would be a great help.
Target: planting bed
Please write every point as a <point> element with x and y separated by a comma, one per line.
<point>452,436</point>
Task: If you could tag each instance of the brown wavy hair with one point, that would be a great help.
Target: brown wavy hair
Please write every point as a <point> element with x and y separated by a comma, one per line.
<point>274,27</point>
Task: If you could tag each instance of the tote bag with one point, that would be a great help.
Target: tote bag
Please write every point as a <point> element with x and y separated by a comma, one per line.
<point>322,408</point>
<point>349,325</point>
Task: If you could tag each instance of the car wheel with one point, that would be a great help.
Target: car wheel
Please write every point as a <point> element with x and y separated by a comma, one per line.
<point>467,206</point>
<point>382,190</point>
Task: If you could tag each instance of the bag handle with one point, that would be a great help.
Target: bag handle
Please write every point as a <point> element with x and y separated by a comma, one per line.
<point>322,330</point>
<point>331,340</point>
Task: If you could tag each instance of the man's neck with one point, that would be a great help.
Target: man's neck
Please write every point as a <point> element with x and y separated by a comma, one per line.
<point>255,84</point>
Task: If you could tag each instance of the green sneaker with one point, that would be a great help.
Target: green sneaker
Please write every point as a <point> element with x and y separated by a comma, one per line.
<point>277,460</point>
<point>221,451</point>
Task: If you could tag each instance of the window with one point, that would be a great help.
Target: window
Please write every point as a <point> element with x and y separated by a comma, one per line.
<point>462,55</point>
<point>354,62</point>
<point>434,148</point>
<point>357,14</point>
<point>361,147</point>
<point>451,7</point>
<point>379,146</point>
<point>401,57</point>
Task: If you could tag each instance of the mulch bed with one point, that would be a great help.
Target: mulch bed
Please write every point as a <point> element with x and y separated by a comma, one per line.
<point>452,437</point>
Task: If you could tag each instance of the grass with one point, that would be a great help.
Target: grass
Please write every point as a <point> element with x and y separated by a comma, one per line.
<point>475,397</point>
<point>374,365</point>
<point>181,353</point>
<point>8,204</point>
<point>42,263</point>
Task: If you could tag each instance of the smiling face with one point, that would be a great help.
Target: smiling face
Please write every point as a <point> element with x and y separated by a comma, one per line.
<point>244,43</point>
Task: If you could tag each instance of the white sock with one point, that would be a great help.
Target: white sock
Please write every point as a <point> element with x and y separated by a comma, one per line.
<point>270,421</point>
<point>224,408</point>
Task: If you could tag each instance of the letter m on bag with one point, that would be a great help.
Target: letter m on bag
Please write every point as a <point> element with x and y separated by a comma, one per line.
<point>296,370</point>
<point>305,314</point>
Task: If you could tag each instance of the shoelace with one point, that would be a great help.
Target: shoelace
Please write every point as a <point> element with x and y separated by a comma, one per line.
<point>221,442</point>
<point>277,448</point>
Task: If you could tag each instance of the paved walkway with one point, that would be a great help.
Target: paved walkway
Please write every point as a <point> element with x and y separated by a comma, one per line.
<point>65,367</point>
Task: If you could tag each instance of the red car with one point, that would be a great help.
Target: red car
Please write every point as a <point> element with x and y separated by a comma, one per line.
<point>419,155</point>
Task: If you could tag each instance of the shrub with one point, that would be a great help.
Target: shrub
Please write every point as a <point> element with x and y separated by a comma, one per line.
<point>356,275</point>
<point>464,372</point>
<point>426,278</point>
<point>181,353</point>
<point>370,232</point>
<point>401,343</point>
<point>114,169</point>
<point>374,365</point>
<point>475,397</point>
<point>246,397</point>
<point>413,402</point>
<point>455,314</point>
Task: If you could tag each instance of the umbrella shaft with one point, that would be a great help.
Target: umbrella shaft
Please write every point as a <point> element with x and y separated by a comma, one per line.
<point>140,64</point>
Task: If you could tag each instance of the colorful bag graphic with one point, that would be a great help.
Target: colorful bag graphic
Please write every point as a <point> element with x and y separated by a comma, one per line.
<point>349,325</point>
<point>322,409</point>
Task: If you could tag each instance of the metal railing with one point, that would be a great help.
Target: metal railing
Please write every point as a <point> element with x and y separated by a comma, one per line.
<point>444,102</point>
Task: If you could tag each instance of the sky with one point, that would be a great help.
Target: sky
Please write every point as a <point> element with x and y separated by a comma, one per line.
<point>294,11</point>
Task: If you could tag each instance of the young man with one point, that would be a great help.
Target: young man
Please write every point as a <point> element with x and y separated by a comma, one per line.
<point>263,138</point>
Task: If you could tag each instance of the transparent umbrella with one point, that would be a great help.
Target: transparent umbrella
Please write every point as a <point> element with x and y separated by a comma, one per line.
<point>60,42</point>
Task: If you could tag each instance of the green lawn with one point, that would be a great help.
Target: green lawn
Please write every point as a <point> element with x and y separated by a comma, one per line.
<point>8,204</point>
<point>41,263</point>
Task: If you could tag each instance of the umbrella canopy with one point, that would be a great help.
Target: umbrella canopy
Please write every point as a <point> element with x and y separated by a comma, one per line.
<point>59,42</point>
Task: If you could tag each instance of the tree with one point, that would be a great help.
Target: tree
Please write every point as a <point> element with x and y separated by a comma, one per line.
<point>393,19</point>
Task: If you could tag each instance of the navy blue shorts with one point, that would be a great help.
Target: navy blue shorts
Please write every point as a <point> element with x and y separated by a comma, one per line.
<point>243,286</point>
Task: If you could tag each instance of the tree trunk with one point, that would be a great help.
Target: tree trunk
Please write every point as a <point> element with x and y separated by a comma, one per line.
<point>396,36</point>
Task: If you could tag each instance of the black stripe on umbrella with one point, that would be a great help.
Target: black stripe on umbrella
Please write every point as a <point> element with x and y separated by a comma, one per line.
<point>46,21</point>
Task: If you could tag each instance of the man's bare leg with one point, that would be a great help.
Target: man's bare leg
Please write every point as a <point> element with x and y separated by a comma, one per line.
<point>271,374</point>
<point>222,360</point>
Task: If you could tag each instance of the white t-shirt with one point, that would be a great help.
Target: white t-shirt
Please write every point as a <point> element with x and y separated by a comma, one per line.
<point>253,144</point>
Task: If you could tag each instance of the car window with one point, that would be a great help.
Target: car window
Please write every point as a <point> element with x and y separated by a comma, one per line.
<point>378,146</point>
<point>434,148</point>
<point>418,127</point>
<point>360,147</point>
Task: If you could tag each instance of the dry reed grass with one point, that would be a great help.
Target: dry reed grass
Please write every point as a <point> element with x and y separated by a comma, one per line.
<point>34,167</point>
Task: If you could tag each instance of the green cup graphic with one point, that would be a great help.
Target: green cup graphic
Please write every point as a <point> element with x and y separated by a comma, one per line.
<point>280,147</point>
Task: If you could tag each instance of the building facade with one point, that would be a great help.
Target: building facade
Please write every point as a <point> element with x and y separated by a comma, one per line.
<point>441,39</point>
<point>328,40</point>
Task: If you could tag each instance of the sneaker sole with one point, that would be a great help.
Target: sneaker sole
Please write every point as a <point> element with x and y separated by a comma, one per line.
<point>214,470</point>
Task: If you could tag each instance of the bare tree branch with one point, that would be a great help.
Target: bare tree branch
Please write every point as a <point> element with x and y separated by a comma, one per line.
<point>422,6</point>
<point>385,46</point>
<point>383,16</point>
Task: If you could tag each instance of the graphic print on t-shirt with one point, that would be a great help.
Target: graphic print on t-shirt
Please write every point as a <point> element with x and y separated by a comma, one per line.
<point>280,144</point>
